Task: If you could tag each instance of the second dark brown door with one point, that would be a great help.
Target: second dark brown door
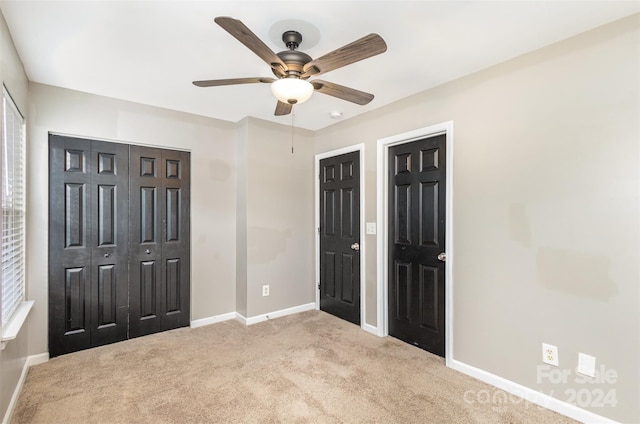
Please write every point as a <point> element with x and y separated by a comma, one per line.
<point>416,238</point>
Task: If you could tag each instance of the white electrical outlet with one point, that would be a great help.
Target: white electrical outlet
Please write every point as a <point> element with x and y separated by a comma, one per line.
<point>265,290</point>
<point>587,364</point>
<point>550,354</point>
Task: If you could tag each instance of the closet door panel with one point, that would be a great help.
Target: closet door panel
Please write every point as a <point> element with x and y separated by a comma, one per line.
<point>175,244</point>
<point>145,241</point>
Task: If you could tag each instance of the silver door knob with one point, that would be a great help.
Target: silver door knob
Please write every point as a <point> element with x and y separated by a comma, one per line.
<point>106,255</point>
<point>147,251</point>
<point>355,246</point>
<point>442,257</point>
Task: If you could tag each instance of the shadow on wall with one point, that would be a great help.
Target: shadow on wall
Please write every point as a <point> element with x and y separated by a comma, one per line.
<point>577,273</point>
<point>219,170</point>
<point>267,244</point>
<point>519,226</point>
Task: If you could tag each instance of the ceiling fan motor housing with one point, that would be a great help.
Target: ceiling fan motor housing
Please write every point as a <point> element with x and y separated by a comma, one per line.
<point>294,59</point>
<point>292,39</point>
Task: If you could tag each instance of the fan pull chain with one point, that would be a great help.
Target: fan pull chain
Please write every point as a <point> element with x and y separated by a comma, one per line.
<point>293,115</point>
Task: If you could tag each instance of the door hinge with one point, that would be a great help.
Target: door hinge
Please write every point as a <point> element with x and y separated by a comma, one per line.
<point>318,286</point>
<point>318,230</point>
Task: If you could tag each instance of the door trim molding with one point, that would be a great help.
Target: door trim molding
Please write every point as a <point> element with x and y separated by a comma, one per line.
<point>363,248</point>
<point>381,240</point>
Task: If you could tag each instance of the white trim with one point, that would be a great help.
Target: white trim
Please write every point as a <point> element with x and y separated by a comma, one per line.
<point>363,245</point>
<point>28,363</point>
<point>370,329</point>
<point>118,141</point>
<point>382,197</point>
<point>529,394</point>
<point>41,358</point>
<point>212,320</point>
<point>275,314</point>
<point>241,318</point>
<point>12,328</point>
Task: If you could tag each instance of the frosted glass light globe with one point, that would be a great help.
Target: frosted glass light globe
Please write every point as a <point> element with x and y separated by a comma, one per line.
<point>292,90</point>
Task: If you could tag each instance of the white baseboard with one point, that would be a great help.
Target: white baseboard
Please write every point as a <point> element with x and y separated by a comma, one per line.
<point>29,362</point>
<point>37,359</point>
<point>370,329</point>
<point>241,318</point>
<point>276,314</point>
<point>212,320</point>
<point>530,395</point>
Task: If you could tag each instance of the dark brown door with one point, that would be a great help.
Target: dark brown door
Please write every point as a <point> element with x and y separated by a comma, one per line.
<point>159,240</point>
<point>119,260</point>
<point>416,238</point>
<point>340,236</point>
<point>88,220</point>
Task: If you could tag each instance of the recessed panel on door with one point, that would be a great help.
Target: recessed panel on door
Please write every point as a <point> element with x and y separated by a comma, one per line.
<point>74,214</point>
<point>107,302</point>
<point>173,285</point>
<point>76,292</point>
<point>173,214</point>
<point>107,215</point>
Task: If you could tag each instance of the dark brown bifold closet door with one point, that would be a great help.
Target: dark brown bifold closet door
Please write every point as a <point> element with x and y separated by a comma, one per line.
<point>119,262</point>
<point>88,244</point>
<point>159,240</point>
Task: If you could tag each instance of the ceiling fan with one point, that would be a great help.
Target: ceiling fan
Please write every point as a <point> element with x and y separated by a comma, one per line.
<point>293,68</point>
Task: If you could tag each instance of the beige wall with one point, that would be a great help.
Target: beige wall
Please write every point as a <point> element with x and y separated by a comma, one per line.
<point>212,144</point>
<point>12,75</point>
<point>241,219</point>
<point>546,208</point>
<point>280,217</point>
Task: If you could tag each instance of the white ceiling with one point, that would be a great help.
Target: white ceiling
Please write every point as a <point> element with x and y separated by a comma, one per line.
<point>150,51</point>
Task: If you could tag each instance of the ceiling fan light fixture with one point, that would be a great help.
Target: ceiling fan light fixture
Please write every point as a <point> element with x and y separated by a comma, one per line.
<point>292,90</point>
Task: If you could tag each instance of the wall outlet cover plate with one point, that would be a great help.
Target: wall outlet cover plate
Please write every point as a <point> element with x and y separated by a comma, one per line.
<point>586,364</point>
<point>550,354</point>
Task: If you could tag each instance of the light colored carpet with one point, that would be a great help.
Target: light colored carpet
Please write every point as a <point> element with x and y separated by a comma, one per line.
<point>309,367</point>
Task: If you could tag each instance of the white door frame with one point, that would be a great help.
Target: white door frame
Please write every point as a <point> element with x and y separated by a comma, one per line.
<point>382,203</point>
<point>320,156</point>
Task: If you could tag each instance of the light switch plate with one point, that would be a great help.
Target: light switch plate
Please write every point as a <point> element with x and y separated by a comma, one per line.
<point>371,227</point>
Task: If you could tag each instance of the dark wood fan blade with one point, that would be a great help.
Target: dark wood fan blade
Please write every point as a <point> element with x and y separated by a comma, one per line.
<point>363,48</point>
<point>252,42</point>
<point>282,108</point>
<point>232,81</point>
<point>345,93</point>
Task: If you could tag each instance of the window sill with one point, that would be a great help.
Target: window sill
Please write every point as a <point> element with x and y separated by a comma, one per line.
<point>11,330</point>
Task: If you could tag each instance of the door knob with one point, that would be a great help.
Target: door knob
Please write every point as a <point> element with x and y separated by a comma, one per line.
<point>106,255</point>
<point>355,246</point>
<point>147,251</point>
<point>442,257</point>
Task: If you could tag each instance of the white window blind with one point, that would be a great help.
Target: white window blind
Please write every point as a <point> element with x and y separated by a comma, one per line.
<point>13,207</point>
